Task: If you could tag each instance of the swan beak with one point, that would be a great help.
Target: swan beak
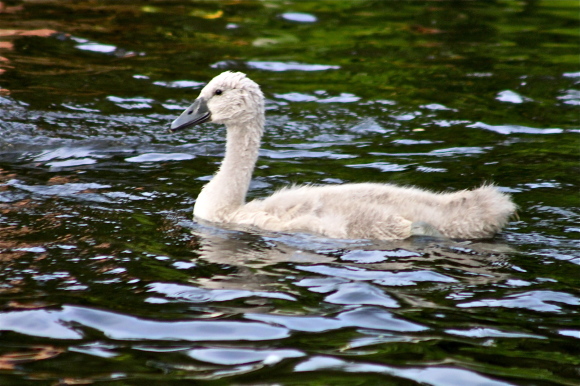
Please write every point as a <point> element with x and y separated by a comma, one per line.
<point>195,114</point>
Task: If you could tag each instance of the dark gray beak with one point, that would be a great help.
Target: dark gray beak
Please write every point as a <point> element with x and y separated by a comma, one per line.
<point>194,115</point>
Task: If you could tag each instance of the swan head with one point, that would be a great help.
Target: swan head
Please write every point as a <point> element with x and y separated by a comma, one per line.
<point>229,98</point>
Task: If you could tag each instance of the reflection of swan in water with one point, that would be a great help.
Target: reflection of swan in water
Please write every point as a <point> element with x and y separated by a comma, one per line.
<point>251,256</point>
<point>354,211</point>
<point>263,262</point>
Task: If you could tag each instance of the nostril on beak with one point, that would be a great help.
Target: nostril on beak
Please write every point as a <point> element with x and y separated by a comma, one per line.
<point>189,112</point>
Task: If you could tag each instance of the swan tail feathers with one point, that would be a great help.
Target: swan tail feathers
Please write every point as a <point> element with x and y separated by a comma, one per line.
<point>478,213</point>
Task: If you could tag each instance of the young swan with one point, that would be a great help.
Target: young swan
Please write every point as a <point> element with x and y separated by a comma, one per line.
<point>350,211</point>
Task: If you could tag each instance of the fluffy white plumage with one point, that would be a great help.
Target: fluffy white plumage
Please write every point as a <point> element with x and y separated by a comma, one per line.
<point>354,211</point>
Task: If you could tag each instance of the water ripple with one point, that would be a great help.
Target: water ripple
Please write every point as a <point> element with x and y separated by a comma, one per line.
<point>514,129</point>
<point>534,300</point>
<point>362,317</point>
<point>380,277</point>
<point>482,332</point>
<point>361,293</point>
<point>200,295</point>
<point>240,356</point>
<point>276,66</point>
<point>437,376</point>
<point>299,17</point>
<point>54,324</point>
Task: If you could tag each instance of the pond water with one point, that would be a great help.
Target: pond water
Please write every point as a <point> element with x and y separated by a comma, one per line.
<point>106,278</point>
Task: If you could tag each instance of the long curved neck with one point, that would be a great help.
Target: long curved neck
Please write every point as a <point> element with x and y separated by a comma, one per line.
<point>226,192</point>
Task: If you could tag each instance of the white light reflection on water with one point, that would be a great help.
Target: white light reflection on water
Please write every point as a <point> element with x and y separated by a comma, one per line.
<point>57,324</point>
<point>278,66</point>
<point>299,17</point>
<point>437,376</point>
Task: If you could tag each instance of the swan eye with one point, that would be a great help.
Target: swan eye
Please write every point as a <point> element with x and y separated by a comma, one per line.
<point>218,92</point>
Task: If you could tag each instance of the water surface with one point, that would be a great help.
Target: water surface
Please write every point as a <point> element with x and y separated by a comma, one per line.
<point>105,277</point>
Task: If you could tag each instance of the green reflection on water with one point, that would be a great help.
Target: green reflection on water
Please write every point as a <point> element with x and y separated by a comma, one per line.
<point>398,57</point>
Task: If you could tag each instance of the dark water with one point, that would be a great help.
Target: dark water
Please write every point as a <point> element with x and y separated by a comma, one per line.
<point>106,279</point>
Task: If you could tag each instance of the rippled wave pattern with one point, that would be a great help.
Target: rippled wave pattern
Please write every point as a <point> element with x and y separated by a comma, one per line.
<point>105,277</point>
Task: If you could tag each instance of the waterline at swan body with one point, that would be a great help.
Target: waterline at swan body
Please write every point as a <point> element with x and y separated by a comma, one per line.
<point>353,211</point>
